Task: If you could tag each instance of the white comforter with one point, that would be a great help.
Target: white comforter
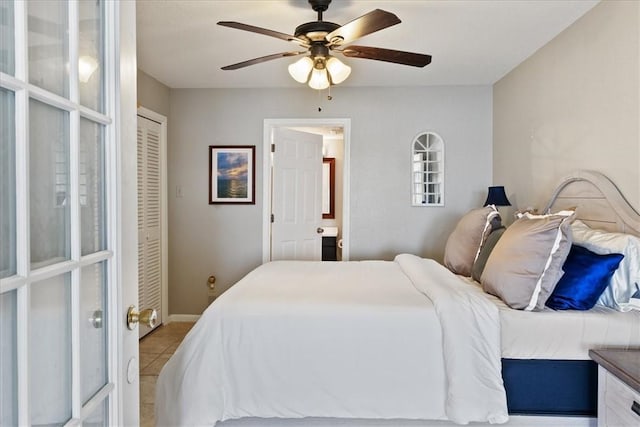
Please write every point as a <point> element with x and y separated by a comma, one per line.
<point>371,339</point>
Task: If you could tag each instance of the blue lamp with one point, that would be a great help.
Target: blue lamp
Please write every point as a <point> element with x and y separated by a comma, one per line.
<point>496,196</point>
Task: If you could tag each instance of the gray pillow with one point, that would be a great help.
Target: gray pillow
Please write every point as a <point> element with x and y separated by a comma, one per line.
<point>485,251</point>
<point>463,244</point>
<point>526,263</point>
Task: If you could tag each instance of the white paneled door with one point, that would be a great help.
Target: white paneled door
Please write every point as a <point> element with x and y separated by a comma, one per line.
<point>66,109</point>
<point>297,195</point>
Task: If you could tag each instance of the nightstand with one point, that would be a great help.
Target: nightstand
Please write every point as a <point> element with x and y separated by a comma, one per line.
<point>618,387</point>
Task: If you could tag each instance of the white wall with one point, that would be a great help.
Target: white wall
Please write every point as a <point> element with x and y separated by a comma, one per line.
<point>225,240</point>
<point>574,104</point>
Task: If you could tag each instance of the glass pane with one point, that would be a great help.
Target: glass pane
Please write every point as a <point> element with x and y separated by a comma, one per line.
<point>50,351</point>
<point>91,54</point>
<point>7,184</point>
<point>92,213</point>
<point>8,360</point>
<point>98,417</point>
<point>7,48</point>
<point>48,45</point>
<point>93,333</point>
<point>49,183</point>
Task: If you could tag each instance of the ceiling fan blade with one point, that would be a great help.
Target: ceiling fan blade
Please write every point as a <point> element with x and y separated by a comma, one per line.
<point>373,21</point>
<point>387,55</point>
<point>261,59</point>
<point>263,31</point>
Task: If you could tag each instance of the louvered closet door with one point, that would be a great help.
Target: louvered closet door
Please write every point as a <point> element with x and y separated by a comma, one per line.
<point>149,218</point>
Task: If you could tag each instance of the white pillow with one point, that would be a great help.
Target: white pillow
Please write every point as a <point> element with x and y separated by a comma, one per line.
<point>624,280</point>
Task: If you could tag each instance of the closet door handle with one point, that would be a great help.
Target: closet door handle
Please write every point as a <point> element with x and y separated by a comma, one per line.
<point>635,407</point>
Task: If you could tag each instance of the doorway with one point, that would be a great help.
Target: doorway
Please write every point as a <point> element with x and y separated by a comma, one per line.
<point>336,143</point>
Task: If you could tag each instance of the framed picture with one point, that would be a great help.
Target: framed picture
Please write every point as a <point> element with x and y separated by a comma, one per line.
<point>232,174</point>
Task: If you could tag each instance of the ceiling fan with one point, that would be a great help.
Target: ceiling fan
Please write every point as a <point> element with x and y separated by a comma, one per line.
<point>319,68</point>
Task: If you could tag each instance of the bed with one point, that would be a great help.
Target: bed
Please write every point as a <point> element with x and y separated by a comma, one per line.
<point>402,339</point>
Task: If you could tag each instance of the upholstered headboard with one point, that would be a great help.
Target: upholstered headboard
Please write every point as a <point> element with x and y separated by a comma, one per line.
<point>598,202</point>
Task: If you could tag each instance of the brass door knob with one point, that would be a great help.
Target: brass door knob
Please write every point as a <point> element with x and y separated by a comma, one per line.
<point>148,317</point>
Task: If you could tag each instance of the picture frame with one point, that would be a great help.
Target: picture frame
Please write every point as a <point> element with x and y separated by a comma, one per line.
<point>232,174</point>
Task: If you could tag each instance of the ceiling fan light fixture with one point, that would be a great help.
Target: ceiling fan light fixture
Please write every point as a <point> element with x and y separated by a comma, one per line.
<point>338,70</point>
<point>300,69</point>
<point>320,38</point>
<point>319,79</point>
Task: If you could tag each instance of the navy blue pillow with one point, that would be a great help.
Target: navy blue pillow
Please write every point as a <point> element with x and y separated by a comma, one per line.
<point>586,275</point>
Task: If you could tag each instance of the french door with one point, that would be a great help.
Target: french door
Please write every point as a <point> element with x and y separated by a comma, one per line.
<point>62,345</point>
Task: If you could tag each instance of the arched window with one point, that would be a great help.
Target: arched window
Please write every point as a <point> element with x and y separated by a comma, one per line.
<point>427,170</point>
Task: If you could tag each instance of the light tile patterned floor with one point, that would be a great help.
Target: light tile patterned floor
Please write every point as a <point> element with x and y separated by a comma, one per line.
<point>155,349</point>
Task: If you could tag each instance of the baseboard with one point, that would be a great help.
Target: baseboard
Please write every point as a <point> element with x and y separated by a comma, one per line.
<point>183,318</point>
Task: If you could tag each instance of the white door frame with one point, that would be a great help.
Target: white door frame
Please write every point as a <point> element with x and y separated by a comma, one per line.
<point>269,124</point>
<point>164,230</point>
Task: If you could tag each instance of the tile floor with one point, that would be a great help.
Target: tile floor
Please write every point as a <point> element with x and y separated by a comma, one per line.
<point>155,349</point>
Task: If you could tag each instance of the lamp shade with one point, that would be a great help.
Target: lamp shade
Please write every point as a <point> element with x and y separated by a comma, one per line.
<point>337,70</point>
<point>319,79</point>
<point>300,69</point>
<point>496,196</point>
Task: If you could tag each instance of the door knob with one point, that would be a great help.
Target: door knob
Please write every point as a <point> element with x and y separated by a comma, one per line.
<point>148,317</point>
<point>319,230</point>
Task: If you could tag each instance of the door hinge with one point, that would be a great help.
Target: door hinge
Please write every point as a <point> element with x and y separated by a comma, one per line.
<point>272,218</point>
<point>273,148</point>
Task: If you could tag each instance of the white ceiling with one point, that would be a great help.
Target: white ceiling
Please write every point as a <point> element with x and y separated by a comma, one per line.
<point>471,41</point>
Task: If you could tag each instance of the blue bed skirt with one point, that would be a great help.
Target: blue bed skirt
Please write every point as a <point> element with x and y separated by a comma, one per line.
<point>551,387</point>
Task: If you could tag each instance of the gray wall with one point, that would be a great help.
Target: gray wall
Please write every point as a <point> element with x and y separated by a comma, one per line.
<point>226,240</point>
<point>574,104</point>
<point>152,94</point>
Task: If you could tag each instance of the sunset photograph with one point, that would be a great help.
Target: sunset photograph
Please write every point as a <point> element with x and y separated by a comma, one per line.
<point>233,175</point>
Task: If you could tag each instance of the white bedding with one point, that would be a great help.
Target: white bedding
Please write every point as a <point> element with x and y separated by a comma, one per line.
<point>369,339</point>
<point>563,334</point>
